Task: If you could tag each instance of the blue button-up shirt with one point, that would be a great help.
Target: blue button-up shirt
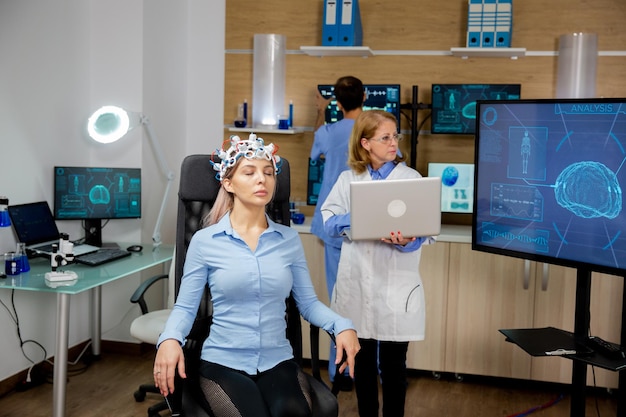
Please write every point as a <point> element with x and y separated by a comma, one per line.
<point>248,291</point>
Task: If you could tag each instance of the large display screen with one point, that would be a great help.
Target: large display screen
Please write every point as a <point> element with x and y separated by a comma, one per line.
<point>377,97</point>
<point>454,105</point>
<point>548,181</point>
<point>82,193</point>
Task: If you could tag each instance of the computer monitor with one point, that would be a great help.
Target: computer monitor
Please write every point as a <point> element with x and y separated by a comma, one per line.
<point>315,175</point>
<point>454,105</point>
<point>377,96</point>
<point>457,186</point>
<point>92,194</point>
<point>548,182</point>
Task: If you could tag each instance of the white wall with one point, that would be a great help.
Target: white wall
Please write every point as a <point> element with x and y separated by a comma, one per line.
<point>60,61</point>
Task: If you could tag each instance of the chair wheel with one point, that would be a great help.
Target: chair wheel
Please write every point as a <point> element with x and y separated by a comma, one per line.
<point>139,396</point>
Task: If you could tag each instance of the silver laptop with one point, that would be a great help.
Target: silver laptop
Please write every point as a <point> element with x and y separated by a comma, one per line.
<point>411,206</point>
<point>35,226</point>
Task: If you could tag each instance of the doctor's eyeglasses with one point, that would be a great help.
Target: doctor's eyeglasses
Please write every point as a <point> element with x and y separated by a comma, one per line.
<point>386,140</point>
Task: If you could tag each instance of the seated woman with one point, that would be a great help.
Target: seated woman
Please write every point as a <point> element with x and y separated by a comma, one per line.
<point>251,265</point>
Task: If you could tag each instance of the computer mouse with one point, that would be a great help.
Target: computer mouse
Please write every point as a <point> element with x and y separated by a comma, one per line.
<point>134,248</point>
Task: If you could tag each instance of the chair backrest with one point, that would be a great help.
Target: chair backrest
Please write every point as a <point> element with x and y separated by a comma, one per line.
<point>171,283</point>
<point>197,193</point>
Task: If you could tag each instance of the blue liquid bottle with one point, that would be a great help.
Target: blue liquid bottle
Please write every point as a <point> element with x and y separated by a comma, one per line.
<point>22,258</point>
<point>5,220</point>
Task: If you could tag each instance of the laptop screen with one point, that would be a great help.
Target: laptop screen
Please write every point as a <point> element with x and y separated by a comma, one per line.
<point>33,222</point>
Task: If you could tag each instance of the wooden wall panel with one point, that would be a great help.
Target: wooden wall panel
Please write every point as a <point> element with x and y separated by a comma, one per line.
<point>397,26</point>
<point>426,24</point>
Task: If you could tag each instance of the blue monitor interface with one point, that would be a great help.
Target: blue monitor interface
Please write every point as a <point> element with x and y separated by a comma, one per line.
<point>457,186</point>
<point>377,96</point>
<point>96,193</point>
<point>548,181</point>
<point>315,175</point>
<point>454,105</point>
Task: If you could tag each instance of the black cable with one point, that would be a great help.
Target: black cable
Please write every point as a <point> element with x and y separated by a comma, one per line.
<point>423,122</point>
<point>408,118</point>
<point>16,320</point>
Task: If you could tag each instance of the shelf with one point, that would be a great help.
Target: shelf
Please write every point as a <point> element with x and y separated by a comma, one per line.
<point>465,53</point>
<point>363,51</point>
<point>276,131</point>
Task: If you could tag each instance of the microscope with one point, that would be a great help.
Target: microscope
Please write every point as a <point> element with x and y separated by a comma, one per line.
<point>62,254</point>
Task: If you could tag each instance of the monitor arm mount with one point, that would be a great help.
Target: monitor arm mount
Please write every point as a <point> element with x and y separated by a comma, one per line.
<point>414,106</point>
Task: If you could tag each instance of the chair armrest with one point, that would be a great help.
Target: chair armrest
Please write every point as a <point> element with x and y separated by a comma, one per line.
<point>138,295</point>
<point>314,335</point>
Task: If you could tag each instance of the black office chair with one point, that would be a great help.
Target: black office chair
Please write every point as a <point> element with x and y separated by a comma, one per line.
<point>197,193</point>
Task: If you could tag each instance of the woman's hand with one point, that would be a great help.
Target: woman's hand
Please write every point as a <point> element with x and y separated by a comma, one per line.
<point>398,239</point>
<point>348,342</point>
<point>169,357</point>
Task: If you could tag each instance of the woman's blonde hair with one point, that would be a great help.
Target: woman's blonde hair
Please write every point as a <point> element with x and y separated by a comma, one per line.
<point>225,200</point>
<point>365,126</point>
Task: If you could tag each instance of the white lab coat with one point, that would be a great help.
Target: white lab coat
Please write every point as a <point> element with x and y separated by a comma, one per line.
<point>378,287</point>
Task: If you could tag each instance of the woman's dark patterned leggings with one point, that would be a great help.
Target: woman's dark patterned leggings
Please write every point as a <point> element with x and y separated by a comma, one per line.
<point>282,391</point>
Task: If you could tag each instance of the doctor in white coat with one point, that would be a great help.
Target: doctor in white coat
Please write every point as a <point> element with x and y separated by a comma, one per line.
<point>378,282</point>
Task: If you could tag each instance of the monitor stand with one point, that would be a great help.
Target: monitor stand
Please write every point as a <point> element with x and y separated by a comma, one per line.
<point>93,232</point>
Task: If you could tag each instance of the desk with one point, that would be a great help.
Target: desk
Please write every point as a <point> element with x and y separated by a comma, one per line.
<point>89,279</point>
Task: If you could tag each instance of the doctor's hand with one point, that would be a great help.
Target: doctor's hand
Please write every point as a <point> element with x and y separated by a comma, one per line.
<point>320,102</point>
<point>398,239</point>
<point>348,342</point>
<point>169,357</point>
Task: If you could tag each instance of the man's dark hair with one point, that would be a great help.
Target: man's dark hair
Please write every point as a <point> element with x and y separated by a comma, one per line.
<point>349,92</point>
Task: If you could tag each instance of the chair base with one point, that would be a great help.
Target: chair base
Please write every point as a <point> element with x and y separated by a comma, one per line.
<point>140,396</point>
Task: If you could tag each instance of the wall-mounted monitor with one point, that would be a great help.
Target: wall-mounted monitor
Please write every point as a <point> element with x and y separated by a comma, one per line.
<point>96,193</point>
<point>548,181</point>
<point>377,96</point>
<point>454,105</point>
<point>315,174</point>
<point>457,186</point>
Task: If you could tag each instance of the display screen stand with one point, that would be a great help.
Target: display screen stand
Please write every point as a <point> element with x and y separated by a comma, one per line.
<point>93,232</point>
<point>538,342</point>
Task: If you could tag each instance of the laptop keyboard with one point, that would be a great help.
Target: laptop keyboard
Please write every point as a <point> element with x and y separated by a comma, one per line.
<point>102,256</point>
<point>43,248</point>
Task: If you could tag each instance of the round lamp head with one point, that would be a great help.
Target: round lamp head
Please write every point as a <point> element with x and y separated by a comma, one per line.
<point>108,124</point>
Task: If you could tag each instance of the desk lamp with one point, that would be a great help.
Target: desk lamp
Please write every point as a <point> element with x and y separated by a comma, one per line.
<point>109,124</point>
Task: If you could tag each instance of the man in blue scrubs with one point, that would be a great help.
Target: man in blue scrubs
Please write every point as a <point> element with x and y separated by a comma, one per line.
<point>331,141</point>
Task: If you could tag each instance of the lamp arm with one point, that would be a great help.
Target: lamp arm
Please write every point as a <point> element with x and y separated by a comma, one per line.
<point>169,176</point>
<point>156,234</point>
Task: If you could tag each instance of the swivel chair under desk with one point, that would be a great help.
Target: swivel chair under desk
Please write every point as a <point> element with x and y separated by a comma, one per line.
<point>197,193</point>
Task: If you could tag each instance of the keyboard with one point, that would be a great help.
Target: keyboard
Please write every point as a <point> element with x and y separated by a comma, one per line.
<point>102,256</point>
